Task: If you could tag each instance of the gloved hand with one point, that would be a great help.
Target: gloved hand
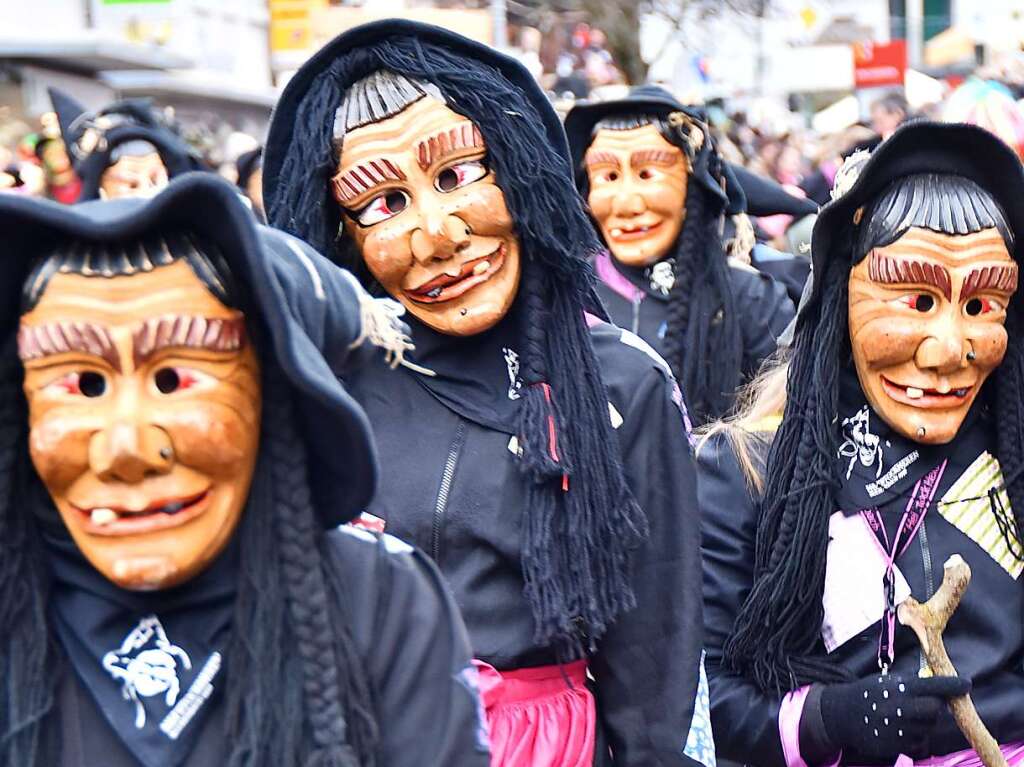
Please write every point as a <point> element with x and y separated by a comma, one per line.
<point>879,716</point>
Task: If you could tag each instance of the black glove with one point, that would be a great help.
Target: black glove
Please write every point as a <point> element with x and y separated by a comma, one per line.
<point>877,717</point>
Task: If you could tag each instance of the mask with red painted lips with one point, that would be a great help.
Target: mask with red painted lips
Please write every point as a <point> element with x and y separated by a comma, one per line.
<point>429,218</point>
<point>926,317</point>
<point>144,419</point>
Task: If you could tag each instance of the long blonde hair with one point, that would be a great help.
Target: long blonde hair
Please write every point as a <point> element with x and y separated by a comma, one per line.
<point>753,422</point>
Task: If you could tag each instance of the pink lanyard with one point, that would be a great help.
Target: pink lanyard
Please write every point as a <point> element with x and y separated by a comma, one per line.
<point>917,507</point>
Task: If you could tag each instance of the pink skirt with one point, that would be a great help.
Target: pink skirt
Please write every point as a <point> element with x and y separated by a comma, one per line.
<point>539,717</point>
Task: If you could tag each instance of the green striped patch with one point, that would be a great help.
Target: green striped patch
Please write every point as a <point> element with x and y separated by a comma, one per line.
<point>966,506</point>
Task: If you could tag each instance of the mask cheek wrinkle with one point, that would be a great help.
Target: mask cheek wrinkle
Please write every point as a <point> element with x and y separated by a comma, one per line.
<point>387,251</point>
<point>59,448</point>
<point>989,345</point>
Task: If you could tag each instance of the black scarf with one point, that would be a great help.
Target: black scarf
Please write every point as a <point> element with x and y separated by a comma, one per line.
<point>655,280</point>
<point>878,467</point>
<point>476,376</point>
<point>153,661</point>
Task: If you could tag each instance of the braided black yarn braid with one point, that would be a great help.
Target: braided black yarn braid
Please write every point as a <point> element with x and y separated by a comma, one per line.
<point>326,675</point>
<point>702,332</point>
<point>777,633</point>
<point>28,653</point>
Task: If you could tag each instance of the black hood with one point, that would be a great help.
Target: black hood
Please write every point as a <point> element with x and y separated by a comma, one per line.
<point>310,310</point>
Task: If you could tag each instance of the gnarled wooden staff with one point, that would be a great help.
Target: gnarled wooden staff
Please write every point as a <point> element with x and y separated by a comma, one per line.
<point>928,621</point>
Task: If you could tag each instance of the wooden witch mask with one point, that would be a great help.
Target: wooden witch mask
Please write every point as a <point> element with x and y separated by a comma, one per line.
<point>144,403</point>
<point>422,205</point>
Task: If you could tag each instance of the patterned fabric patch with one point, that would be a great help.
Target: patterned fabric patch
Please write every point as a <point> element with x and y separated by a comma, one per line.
<point>700,744</point>
<point>967,507</point>
<point>469,678</point>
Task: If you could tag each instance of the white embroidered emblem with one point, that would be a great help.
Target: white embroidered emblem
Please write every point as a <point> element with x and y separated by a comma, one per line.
<point>512,361</point>
<point>146,664</point>
<point>860,443</point>
<point>663,276</point>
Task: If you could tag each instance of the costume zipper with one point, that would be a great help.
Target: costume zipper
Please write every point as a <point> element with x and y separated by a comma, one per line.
<point>929,578</point>
<point>636,315</point>
<point>441,505</point>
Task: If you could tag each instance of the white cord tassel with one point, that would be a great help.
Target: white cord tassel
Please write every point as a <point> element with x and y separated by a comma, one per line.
<point>381,326</point>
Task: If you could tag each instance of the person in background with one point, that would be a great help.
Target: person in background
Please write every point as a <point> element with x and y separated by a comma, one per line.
<point>123,150</point>
<point>250,179</point>
<point>657,191</point>
<point>888,113</point>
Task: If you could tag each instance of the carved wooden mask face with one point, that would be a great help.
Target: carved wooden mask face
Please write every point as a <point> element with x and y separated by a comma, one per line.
<point>144,415</point>
<point>134,176</point>
<point>637,194</point>
<point>926,316</point>
<point>429,217</point>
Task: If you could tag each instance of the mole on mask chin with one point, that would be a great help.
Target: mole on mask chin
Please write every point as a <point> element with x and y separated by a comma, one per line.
<point>429,218</point>
<point>926,322</point>
<point>144,419</point>
<point>638,183</point>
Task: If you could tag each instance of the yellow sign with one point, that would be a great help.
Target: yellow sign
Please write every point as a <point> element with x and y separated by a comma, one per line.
<point>291,24</point>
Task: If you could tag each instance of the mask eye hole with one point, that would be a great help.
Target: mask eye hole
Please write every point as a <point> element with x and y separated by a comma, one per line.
<point>170,380</point>
<point>459,175</point>
<point>167,380</point>
<point>383,207</point>
<point>921,302</point>
<point>978,306</point>
<point>91,384</point>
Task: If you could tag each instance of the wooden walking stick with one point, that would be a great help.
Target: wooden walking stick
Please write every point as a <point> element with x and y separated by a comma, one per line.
<point>928,621</point>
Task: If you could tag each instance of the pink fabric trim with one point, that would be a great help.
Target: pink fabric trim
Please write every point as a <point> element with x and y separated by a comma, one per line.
<point>539,717</point>
<point>1013,752</point>
<point>610,276</point>
<point>790,711</point>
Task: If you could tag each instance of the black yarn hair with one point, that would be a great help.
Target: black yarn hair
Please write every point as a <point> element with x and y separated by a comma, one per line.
<point>776,640</point>
<point>117,259</point>
<point>703,335</point>
<point>309,706</point>
<point>939,202</point>
<point>577,542</point>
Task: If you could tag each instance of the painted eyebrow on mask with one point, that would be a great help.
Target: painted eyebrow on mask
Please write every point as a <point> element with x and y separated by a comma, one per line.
<point>1002,278</point>
<point>600,157</point>
<point>430,150</point>
<point>654,157</point>
<point>188,332</point>
<point>363,177</point>
<point>63,337</point>
<point>897,270</point>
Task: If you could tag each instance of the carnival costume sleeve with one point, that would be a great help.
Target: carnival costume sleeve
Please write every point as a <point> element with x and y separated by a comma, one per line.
<point>649,666</point>
<point>766,309</point>
<point>415,648</point>
<point>744,718</point>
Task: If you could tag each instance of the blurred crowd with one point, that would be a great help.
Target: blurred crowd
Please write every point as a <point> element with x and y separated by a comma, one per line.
<point>34,159</point>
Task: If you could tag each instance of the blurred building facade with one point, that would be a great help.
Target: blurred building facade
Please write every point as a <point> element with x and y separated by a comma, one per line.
<point>208,60</point>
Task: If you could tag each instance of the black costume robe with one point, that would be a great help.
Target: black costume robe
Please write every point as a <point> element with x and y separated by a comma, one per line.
<point>985,636</point>
<point>452,487</point>
<point>406,628</point>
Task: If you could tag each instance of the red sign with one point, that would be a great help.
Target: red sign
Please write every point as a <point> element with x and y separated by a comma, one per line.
<point>879,64</point>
